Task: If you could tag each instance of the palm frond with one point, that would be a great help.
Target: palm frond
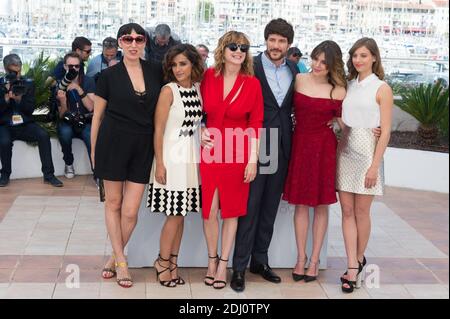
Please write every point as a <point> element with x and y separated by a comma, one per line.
<point>39,70</point>
<point>426,103</point>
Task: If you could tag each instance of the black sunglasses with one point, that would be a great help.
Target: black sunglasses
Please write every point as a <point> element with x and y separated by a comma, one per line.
<point>73,66</point>
<point>296,55</point>
<point>234,46</point>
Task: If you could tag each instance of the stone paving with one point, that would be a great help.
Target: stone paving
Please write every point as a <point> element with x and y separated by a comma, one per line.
<point>45,231</point>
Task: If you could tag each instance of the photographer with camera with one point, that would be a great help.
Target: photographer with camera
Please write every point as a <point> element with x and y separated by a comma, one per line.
<point>80,45</point>
<point>109,57</point>
<point>17,103</point>
<point>83,47</point>
<point>75,96</point>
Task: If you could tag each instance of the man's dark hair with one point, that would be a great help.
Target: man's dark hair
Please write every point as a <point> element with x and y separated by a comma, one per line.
<point>11,59</point>
<point>72,55</point>
<point>163,30</point>
<point>80,43</point>
<point>294,50</point>
<point>128,28</point>
<point>77,56</point>
<point>203,47</point>
<point>109,43</point>
<point>280,27</point>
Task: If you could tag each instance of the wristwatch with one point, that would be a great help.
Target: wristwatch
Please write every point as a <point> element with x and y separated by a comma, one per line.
<point>82,96</point>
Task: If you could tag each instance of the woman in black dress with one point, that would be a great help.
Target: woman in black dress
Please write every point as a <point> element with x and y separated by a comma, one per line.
<point>122,141</point>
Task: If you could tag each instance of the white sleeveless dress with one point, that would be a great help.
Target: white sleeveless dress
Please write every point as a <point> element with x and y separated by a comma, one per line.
<point>360,113</point>
<point>181,154</point>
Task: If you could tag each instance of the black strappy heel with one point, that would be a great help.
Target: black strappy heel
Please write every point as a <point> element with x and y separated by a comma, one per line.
<point>209,277</point>
<point>165,283</point>
<point>364,263</point>
<point>220,281</point>
<point>178,280</point>
<point>353,284</point>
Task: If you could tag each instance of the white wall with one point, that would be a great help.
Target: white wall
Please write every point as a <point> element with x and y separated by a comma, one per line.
<point>143,247</point>
<point>26,162</point>
<point>415,169</point>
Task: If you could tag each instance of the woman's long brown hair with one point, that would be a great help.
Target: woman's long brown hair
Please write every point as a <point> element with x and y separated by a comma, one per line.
<point>333,61</point>
<point>372,46</point>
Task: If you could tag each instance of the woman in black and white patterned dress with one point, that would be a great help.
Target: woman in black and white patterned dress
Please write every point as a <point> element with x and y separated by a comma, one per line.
<point>174,179</point>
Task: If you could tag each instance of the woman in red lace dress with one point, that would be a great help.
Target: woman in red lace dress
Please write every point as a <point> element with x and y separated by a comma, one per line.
<point>233,103</point>
<point>312,168</point>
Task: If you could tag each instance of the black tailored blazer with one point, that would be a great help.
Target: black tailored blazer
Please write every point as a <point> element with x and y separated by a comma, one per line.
<point>274,115</point>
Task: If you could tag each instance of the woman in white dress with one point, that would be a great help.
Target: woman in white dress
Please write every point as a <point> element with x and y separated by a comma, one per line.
<point>174,187</point>
<point>360,174</point>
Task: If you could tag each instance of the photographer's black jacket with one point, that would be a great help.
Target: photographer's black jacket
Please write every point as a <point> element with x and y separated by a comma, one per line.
<point>25,107</point>
<point>155,52</point>
<point>88,86</point>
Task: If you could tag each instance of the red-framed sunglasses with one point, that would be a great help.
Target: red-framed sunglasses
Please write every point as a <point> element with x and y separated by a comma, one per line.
<point>128,39</point>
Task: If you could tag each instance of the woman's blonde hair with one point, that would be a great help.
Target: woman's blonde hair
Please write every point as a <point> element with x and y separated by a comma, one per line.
<point>372,46</point>
<point>219,53</point>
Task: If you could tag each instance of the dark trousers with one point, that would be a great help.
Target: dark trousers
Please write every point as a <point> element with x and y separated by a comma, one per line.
<point>256,228</point>
<point>65,135</point>
<point>28,132</point>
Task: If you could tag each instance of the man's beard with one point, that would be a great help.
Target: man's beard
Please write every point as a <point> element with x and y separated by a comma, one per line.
<point>282,56</point>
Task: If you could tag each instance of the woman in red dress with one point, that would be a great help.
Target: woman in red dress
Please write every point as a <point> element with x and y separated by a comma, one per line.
<point>233,105</point>
<point>312,168</point>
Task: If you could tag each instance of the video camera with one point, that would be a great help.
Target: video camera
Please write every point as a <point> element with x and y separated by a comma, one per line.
<point>17,86</point>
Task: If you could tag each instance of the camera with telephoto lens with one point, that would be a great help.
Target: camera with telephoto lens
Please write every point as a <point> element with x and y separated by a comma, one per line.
<point>71,75</point>
<point>77,120</point>
<point>17,86</point>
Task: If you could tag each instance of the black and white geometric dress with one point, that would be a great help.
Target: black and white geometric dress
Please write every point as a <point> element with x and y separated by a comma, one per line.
<point>181,155</point>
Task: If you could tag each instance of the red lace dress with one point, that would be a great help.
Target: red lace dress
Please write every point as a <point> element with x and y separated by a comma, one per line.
<point>312,167</point>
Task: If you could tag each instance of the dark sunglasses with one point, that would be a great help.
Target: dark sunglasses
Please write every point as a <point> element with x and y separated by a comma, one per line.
<point>87,51</point>
<point>296,55</point>
<point>73,66</point>
<point>234,46</point>
<point>128,39</point>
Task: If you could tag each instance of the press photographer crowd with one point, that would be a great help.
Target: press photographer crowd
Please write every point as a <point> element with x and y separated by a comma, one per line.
<point>71,106</point>
<point>71,101</point>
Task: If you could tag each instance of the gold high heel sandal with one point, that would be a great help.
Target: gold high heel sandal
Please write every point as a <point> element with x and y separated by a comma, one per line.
<point>121,281</point>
